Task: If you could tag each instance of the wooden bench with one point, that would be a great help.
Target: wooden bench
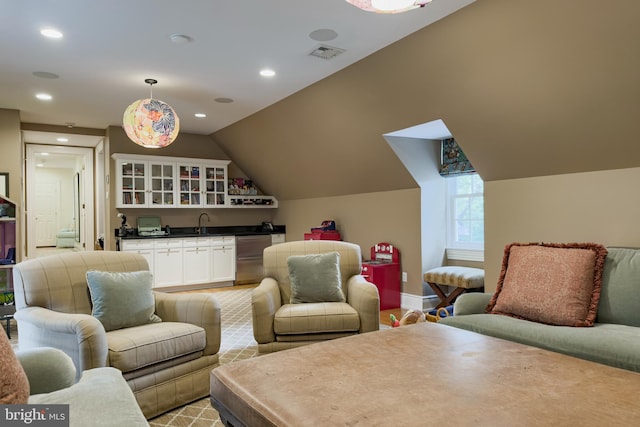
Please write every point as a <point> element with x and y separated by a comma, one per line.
<point>462,278</point>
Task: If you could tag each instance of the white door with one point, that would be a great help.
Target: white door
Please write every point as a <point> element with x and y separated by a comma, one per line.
<point>46,212</point>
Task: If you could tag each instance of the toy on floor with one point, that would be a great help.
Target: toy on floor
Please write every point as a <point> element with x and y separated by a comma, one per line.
<point>394,321</point>
<point>410,317</point>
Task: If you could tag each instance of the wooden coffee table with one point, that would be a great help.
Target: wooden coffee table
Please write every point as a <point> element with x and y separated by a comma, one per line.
<point>423,374</point>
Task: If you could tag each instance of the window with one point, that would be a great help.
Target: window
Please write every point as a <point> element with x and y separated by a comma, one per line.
<point>465,212</point>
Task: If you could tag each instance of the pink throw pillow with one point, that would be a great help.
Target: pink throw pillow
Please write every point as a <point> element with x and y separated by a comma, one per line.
<point>14,385</point>
<point>557,284</point>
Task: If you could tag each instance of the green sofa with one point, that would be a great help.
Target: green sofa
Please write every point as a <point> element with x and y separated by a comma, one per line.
<point>614,339</point>
<point>101,397</point>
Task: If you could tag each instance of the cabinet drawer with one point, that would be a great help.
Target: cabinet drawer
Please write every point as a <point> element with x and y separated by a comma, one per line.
<point>167,243</point>
<point>192,242</point>
<point>132,245</point>
<point>223,241</point>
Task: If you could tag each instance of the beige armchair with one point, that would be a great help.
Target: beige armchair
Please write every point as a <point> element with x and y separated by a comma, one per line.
<point>279,325</point>
<point>166,364</point>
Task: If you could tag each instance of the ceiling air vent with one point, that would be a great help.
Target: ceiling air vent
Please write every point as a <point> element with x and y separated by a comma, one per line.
<point>326,52</point>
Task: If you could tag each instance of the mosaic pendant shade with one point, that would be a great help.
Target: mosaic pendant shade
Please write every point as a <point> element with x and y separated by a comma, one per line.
<point>151,123</point>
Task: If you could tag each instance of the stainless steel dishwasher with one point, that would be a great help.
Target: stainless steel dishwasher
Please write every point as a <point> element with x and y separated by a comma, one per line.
<point>249,257</point>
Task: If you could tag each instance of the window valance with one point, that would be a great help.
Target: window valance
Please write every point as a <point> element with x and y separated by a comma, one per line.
<point>453,161</point>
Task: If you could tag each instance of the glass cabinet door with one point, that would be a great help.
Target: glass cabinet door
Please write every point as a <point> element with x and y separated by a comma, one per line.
<point>189,191</point>
<point>162,191</point>
<point>215,182</point>
<point>133,183</point>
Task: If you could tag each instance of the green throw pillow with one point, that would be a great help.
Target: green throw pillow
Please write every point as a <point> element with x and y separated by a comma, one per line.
<point>315,278</point>
<point>122,300</point>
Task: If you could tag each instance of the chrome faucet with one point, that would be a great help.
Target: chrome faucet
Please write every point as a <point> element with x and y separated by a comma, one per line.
<point>200,229</point>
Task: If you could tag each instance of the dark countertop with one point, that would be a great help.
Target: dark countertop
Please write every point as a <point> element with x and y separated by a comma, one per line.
<point>234,230</point>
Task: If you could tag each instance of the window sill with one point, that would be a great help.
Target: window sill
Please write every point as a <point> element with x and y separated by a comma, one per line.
<point>466,254</point>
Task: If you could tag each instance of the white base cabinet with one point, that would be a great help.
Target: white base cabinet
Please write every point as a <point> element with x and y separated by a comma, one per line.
<point>142,247</point>
<point>187,261</point>
<point>223,251</point>
<point>168,267</point>
<point>197,260</point>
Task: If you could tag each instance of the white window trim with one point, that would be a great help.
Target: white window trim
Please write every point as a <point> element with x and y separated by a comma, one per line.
<point>461,251</point>
<point>465,254</point>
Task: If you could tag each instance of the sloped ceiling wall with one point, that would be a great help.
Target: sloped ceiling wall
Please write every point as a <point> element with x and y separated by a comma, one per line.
<point>528,88</point>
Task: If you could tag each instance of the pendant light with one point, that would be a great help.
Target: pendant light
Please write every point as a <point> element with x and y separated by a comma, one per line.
<point>151,123</point>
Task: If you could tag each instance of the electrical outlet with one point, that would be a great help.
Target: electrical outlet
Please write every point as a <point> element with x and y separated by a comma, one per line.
<point>404,276</point>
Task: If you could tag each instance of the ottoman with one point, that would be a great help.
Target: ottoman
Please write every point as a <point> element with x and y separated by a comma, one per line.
<point>462,278</point>
<point>65,239</point>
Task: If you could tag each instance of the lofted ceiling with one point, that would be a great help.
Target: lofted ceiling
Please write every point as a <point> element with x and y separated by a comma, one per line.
<point>201,52</point>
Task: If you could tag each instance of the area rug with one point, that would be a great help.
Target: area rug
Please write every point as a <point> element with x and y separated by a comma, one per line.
<point>237,343</point>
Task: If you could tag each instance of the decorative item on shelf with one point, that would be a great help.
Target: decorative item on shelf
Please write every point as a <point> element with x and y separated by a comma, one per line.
<point>150,122</point>
<point>241,186</point>
<point>388,6</point>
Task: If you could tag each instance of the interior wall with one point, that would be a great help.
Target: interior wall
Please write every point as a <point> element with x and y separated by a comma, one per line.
<point>365,219</point>
<point>10,142</point>
<point>10,161</point>
<point>601,207</point>
<point>528,88</point>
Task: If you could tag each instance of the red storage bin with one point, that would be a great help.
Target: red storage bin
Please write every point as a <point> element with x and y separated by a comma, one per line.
<point>323,235</point>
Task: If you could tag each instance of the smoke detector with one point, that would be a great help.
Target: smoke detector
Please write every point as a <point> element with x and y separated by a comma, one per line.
<point>326,52</point>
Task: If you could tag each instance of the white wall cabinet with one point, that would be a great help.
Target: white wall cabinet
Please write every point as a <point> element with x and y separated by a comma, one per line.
<point>202,185</point>
<point>170,182</point>
<point>145,183</point>
<point>176,182</point>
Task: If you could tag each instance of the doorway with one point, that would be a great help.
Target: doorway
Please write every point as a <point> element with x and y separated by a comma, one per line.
<point>59,199</point>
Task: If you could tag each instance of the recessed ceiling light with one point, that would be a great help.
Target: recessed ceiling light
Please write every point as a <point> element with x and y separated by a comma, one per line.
<point>44,97</point>
<point>45,75</point>
<point>39,165</point>
<point>323,35</point>
<point>62,139</point>
<point>44,154</point>
<point>224,100</point>
<point>267,72</point>
<point>200,115</point>
<point>51,33</point>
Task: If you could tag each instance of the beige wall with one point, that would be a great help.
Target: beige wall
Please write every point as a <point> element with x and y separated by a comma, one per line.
<point>527,88</point>
<point>10,155</point>
<point>601,207</point>
<point>11,151</point>
<point>365,219</point>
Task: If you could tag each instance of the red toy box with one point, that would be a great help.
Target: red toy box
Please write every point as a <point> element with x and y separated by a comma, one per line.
<point>323,235</point>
